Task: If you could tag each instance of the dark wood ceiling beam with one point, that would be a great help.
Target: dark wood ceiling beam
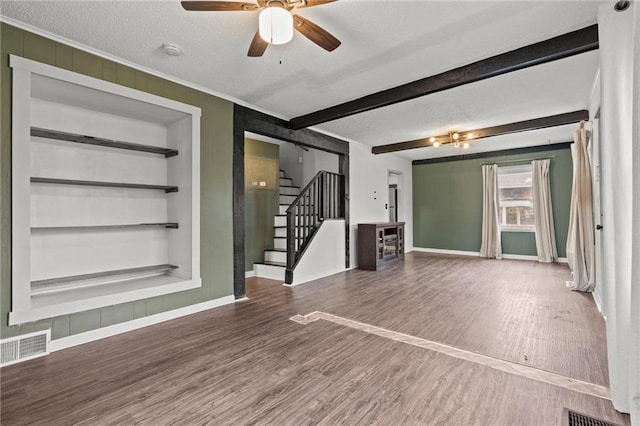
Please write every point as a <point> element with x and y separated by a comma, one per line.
<point>504,129</point>
<point>563,46</point>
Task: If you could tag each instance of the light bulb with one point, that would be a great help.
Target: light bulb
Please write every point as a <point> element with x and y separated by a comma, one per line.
<point>455,135</point>
<point>432,139</point>
<point>276,25</point>
<point>469,135</point>
<point>436,144</point>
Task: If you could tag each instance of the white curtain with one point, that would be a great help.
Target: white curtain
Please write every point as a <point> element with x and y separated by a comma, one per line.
<point>580,238</point>
<point>619,34</point>
<point>543,212</point>
<point>491,244</point>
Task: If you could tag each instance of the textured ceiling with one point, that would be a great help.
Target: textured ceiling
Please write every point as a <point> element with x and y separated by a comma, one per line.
<point>384,44</point>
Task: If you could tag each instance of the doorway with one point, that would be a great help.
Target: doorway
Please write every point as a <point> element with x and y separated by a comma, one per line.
<point>594,153</point>
<point>394,189</point>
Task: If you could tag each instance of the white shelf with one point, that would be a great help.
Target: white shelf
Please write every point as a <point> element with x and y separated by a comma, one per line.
<point>92,140</point>
<point>57,181</point>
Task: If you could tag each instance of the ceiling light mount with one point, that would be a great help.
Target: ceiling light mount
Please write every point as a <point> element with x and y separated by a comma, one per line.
<point>172,49</point>
<point>453,138</point>
<point>621,5</point>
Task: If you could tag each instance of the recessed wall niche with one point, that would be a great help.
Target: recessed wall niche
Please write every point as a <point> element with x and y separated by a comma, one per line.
<point>105,193</point>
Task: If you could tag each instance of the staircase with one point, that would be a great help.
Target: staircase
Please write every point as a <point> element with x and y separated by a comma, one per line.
<point>275,259</point>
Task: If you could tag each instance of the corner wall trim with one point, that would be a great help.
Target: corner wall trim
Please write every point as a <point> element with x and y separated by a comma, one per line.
<point>249,274</point>
<point>112,330</point>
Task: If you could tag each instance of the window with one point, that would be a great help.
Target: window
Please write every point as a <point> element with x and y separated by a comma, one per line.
<point>516,198</point>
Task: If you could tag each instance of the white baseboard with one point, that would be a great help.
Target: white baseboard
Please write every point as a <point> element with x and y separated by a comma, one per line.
<point>519,257</point>
<point>443,251</point>
<point>112,330</point>
<point>249,274</point>
<point>596,298</point>
<point>477,254</point>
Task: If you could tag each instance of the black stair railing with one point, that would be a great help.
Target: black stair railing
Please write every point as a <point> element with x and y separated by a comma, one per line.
<point>322,198</point>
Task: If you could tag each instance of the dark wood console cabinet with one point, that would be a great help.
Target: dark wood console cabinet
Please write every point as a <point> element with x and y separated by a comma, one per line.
<point>380,244</point>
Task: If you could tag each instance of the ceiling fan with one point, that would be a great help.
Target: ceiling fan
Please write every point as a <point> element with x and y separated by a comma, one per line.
<point>277,21</point>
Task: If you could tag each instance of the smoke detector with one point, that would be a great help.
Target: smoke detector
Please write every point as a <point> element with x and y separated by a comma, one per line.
<point>172,49</point>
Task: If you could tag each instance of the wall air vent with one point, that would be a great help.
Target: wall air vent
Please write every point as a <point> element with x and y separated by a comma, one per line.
<point>573,418</point>
<point>24,347</point>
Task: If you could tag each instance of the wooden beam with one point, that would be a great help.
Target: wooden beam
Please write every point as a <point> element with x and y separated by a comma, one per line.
<point>267,125</point>
<point>563,46</point>
<point>492,154</point>
<point>503,129</point>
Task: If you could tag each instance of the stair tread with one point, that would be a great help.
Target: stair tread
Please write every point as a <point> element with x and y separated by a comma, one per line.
<point>289,186</point>
<point>271,263</point>
<point>277,249</point>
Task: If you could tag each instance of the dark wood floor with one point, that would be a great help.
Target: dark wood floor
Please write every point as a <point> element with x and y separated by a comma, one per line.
<point>249,364</point>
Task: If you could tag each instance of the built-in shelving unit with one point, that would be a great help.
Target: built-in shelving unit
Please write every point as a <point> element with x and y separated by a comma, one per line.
<point>97,215</point>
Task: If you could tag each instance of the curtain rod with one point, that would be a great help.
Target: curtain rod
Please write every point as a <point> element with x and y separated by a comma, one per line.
<point>548,157</point>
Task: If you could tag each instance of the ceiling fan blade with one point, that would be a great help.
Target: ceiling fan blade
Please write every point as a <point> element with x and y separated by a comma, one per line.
<point>314,33</point>
<point>311,3</point>
<point>218,6</point>
<point>258,46</point>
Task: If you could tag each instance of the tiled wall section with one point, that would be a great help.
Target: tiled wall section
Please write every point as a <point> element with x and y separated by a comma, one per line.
<point>216,184</point>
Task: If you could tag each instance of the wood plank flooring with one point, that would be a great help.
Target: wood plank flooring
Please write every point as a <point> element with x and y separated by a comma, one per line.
<point>249,364</point>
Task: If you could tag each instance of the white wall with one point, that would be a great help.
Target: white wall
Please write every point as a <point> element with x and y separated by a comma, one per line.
<point>368,192</point>
<point>290,162</point>
<point>325,254</point>
<point>314,160</point>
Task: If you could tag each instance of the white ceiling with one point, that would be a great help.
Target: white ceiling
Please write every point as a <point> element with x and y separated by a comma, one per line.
<point>384,44</point>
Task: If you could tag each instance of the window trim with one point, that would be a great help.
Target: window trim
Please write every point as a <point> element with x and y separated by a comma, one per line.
<point>521,168</point>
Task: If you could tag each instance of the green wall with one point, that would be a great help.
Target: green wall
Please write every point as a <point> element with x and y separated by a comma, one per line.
<point>216,183</point>
<point>447,204</point>
<point>261,164</point>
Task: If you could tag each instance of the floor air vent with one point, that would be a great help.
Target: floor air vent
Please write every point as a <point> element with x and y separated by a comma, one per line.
<point>24,347</point>
<point>573,418</point>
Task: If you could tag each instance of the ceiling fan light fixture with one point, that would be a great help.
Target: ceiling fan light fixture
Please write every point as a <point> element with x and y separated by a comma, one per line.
<point>276,25</point>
